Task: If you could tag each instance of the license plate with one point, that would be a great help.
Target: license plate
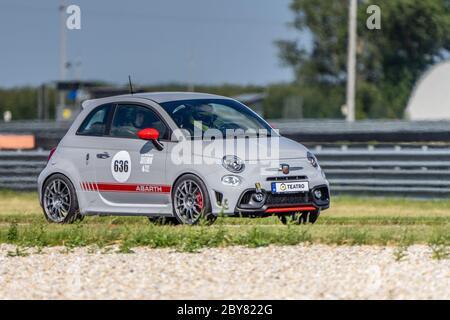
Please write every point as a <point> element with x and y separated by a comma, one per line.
<point>285,187</point>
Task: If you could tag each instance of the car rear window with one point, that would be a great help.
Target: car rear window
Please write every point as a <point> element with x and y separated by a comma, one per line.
<point>95,122</point>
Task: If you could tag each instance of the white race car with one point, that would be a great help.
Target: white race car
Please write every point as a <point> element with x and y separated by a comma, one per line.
<point>178,156</point>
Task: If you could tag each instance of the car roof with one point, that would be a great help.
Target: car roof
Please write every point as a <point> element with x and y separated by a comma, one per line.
<point>158,97</point>
<point>161,97</point>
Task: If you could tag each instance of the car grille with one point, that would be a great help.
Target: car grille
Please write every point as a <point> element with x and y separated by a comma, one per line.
<point>277,198</point>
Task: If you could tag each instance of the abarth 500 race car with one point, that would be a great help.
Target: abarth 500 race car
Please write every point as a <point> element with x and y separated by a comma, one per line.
<point>153,154</point>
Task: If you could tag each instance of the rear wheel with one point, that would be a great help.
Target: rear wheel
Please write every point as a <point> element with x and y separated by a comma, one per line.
<point>191,202</point>
<point>59,200</point>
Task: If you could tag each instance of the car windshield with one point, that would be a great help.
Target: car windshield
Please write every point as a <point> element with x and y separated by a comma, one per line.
<point>224,115</point>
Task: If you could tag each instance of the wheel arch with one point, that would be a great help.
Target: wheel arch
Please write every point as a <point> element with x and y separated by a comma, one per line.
<point>72,211</point>
<point>208,215</point>
<point>181,175</point>
<point>51,175</point>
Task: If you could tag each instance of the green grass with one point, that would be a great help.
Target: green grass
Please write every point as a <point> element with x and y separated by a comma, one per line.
<point>350,221</point>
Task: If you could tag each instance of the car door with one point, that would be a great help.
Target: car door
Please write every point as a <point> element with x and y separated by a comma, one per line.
<point>82,147</point>
<point>131,172</point>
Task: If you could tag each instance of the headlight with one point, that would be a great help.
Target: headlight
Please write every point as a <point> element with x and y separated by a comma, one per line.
<point>312,159</point>
<point>231,180</point>
<point>233,164</point>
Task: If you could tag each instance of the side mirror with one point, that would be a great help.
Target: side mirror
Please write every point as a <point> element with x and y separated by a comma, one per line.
<point>148,134</point>
<point>152,135</point>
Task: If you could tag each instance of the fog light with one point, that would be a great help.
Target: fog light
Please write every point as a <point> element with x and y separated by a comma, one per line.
<point>231,180</point>
<point>258,197</point>
<point>317,194</point>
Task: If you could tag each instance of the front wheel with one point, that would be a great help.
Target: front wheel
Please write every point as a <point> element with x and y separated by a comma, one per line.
<point>59,200</point>
<point>302,218</point>
<point>310,217</point>
<point>191,202</point>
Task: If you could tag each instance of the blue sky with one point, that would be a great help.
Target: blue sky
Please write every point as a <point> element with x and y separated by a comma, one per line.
<point>156,41</point>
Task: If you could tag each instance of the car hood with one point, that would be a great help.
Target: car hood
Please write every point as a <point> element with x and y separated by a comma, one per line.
<point>250,149</point>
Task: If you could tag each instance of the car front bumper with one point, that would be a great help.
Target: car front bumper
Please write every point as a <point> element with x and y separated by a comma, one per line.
<point>282,203</point>
<point>237,200</point>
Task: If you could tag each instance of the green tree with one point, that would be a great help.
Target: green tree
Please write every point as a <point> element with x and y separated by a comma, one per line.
<point>22,102</point>
<point>413,35</point>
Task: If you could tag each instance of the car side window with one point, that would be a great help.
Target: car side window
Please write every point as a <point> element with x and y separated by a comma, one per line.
<point>95,123</point>
<point>130,119</point>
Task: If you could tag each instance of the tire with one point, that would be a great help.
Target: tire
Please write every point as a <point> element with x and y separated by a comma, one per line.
<point>288,218</point>
<point>309,217</point>
<point>59,200</point>
<point>303,218</point>
<point>163,220</point>
<point>190,201</point>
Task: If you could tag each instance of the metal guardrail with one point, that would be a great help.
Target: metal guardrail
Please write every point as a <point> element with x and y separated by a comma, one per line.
<point>308,131</point>
<point>19,169</point>
<point>286,126</point>
<point>418,172</point>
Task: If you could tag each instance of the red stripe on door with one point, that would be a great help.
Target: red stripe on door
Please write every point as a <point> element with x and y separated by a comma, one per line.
<point>122,187</point>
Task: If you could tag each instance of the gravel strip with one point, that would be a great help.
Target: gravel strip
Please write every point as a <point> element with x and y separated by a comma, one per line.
<point>290,272</point>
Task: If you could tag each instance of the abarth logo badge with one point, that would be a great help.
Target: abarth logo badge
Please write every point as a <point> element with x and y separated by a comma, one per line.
<point>284,168</point>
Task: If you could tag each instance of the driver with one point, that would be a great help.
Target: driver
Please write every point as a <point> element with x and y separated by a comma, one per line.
<point>202,117</point>
<point>139,120</point>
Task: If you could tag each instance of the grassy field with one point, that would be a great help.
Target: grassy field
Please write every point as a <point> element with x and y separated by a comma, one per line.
<point>351,221</point>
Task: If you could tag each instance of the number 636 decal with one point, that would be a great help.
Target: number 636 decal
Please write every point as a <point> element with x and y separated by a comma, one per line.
<point>121,166</point>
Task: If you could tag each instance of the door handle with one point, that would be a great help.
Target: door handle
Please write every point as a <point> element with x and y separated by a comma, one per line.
<point>104,155</point>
